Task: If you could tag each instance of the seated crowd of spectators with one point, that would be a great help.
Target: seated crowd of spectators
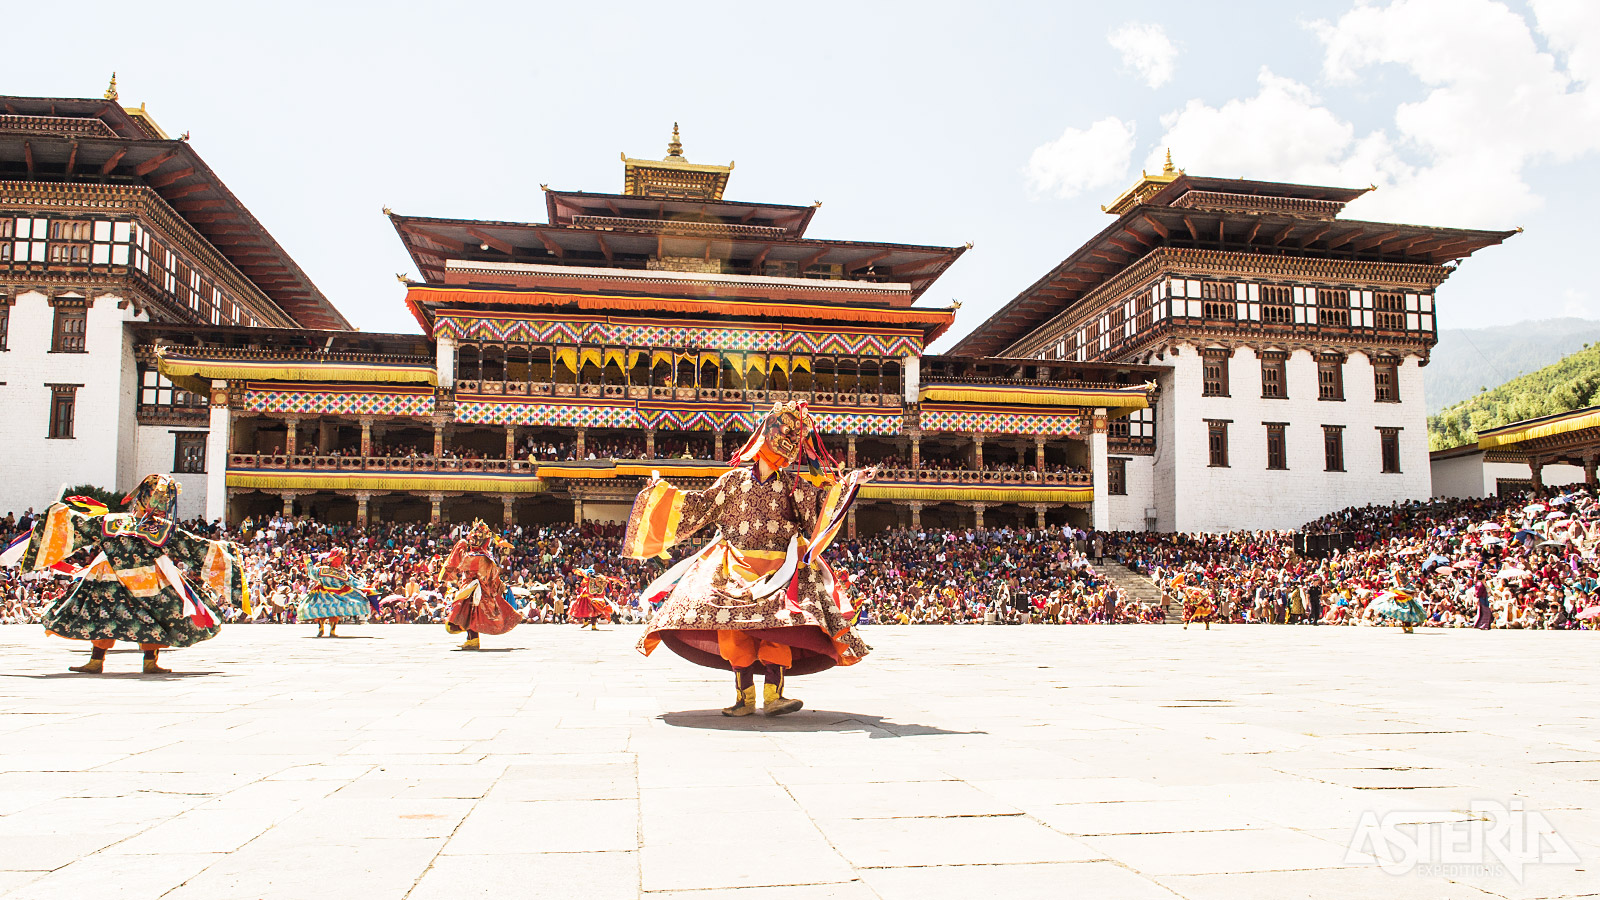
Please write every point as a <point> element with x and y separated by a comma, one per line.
<point>1510,562</point>
<point>1514,561</point>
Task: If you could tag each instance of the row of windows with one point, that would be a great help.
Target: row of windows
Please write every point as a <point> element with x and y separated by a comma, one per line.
<point>188,447</point>
<point>1277,453</point>
<point>1245,302</point>
<point>1275,376</point>
<point>105,242</point>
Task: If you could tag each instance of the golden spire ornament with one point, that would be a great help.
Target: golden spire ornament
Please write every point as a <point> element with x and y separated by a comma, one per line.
<point>675,146</point>
<point>111,89</point>
<point>1168,169</point>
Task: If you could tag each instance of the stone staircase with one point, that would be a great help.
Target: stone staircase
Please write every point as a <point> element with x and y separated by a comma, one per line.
<point>1138,588</point>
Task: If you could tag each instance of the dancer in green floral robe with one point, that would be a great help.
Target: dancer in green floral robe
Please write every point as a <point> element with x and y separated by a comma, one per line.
<point>147,581</point>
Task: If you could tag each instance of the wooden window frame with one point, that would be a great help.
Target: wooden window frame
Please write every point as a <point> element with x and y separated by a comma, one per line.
<point>180,439</point>
<point>1218,386</point>
<point>63,411</point>
<point>1383,369</point>
<point>63,338</point>
<point>1330,377</point>
<point>1217,443</point>
<point>1117,476</point>
<point>1275,363</point>
<point>1333,448</point>
<point>1389,450</point>
<point>1277,445</point>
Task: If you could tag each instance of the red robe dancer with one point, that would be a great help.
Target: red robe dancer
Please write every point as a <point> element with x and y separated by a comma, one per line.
<point>480,599</point>
<point>591,605</point>
<point>759,596</point>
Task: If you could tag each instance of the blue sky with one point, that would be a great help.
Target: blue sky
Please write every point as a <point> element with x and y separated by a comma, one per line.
<point>1004,124</point>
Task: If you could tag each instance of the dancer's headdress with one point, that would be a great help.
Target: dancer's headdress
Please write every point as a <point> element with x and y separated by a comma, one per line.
<point>786,435</point>
<point>156,496</point>
<point>335,558</point>
<point>481,536</point>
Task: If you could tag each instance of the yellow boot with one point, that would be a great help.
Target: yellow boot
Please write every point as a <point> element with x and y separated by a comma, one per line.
<point>152,667</point>
<point>774,703</point>
<point>94,666</point>
<point>471,644</point>
<point>744,703</point>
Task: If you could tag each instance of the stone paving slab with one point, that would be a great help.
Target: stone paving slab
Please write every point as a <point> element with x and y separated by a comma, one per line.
<point>1118,762</point>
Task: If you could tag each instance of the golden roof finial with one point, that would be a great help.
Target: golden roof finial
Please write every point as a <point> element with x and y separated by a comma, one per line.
<point>674,146</point>
<point>1167,169</point>
<point>111,89</point>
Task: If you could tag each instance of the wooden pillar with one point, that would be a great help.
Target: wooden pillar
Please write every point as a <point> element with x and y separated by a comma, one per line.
<point>436,514</point>
<point>650,443</point>
<point>438,440</point>
<point>507,503</point>
<point>1038,511</point>
<point>1537,468</point>
<point>717,441</point>
<point>850,523</point>
<point>582,433</point>
<point>977,515</point>
<point>361,507</point>
<point>977,453</point>
<point>916,515</point>
<point>1038,455</point>
<point>1589,465</point>
<point>366,437</point>
<point>511,442</point>
<point>916,451</point>
<point>577,511</point>
<point>292,438</point>
<point>850,460</point>
<point>288,502</point>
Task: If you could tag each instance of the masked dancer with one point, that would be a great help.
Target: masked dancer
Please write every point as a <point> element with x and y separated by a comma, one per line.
<point>480,604</point>
<point>146,581</point>
<point>335,594</point>
<point>759,596</point>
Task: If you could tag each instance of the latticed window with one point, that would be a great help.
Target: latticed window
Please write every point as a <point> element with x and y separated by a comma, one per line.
<point>1385,387</point>
<point>1333,308</point>
<point>1218,300</point>
<point>1277,446</point>
<point>5,322</point>
<point>1274,376</point>
<point>1116,476</point>
<point>189,453</point>
<point>1277,305</point>
<point>63,409</point>
<point>1391,311</point>
<point>1333,447</point>
<point>1214,367</point>
<point>1217,431</point>
<point>1389,440</point>
<point>156,390</point>
<point>1330,377</point>
<point>71,322</point>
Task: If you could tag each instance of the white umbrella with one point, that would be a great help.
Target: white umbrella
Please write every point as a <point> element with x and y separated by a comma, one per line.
<point>1558,514</point>
<point>1509,573</point>
<point>1491,539</point>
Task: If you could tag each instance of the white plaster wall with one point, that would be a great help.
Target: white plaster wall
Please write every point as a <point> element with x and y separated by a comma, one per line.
<point>1127,510</point>
<point>1170,440</point>
<point>1246,494</point>
<point>155,456</point>
<point>1470,476</point>
<point>36,467</point>
<point>1460,476</point>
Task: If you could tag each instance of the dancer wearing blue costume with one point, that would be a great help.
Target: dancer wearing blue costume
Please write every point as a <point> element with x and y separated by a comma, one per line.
<point>335,594</point>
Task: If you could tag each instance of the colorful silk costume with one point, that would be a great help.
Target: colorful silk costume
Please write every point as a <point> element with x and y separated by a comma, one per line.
<point>144,580</point>
<point>335,593</point>
<point>480,600</point>
<point>759,594</point>
<point>591,604</point>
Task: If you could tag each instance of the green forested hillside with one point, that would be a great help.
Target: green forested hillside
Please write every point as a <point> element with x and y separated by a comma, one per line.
<point>1572,383</point>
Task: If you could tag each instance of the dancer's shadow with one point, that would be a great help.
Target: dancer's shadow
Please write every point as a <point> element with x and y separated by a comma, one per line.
<point>490,650</point>
<point>340,637</point>
<point>806,720</point>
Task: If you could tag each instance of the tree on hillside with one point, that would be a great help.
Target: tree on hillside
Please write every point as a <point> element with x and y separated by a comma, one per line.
<point>1572,383</point>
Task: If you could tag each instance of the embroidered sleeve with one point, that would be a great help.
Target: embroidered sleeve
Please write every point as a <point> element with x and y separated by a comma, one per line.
<point>664,515</point>
<point>58,534</point>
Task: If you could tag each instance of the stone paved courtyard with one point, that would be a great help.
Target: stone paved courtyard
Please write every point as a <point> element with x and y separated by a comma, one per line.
<point>1120,762</point>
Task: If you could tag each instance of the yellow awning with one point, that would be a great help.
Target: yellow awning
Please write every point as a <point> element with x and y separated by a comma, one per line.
<point>568,356</point>
<point>1518,432</point>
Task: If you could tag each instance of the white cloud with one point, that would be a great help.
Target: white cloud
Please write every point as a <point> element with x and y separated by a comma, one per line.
<point>1147,50</point>
<point>1083,160</point>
